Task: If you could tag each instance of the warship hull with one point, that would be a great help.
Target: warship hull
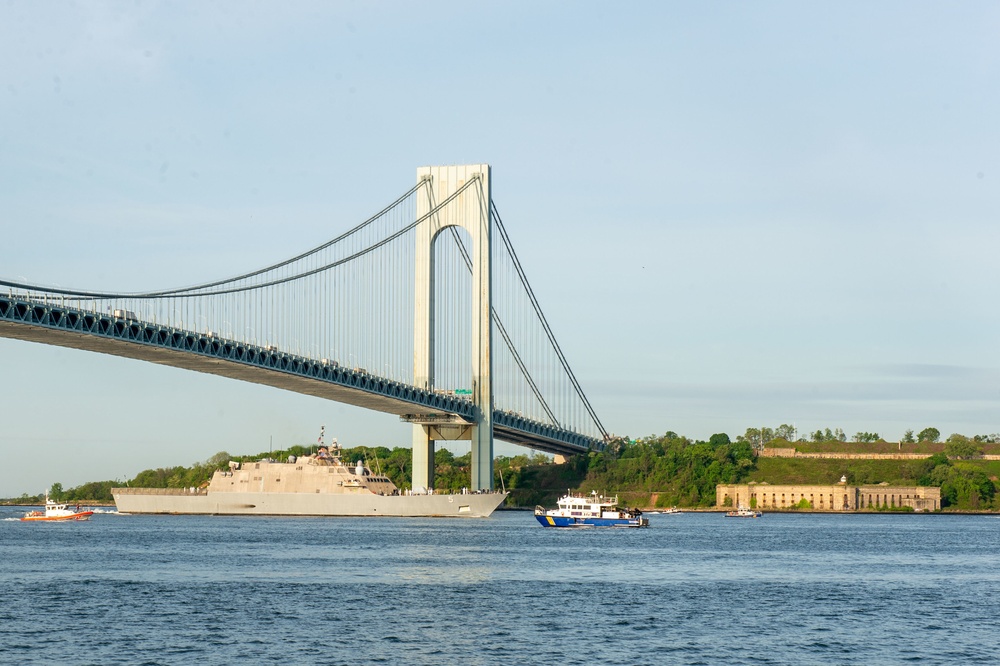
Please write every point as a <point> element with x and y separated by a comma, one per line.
<point>171,501</point>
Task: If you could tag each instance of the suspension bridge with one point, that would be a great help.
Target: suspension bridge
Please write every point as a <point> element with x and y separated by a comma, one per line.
<point>423,311</point>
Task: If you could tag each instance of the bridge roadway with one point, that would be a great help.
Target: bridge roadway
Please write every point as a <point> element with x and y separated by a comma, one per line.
<point>54,324</point>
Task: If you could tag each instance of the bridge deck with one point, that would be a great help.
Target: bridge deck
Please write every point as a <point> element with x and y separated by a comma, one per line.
<point>76,329</point>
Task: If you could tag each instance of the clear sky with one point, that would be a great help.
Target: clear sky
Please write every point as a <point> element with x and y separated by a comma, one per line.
<point>733,214</point>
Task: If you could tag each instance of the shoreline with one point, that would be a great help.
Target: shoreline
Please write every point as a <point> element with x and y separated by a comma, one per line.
<point>701,509</point>
<point>785,512</point>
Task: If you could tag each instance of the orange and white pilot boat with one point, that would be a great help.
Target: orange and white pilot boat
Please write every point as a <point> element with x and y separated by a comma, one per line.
<point>55,511</point>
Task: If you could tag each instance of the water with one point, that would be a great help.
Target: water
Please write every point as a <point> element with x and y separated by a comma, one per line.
<point>691,589</point>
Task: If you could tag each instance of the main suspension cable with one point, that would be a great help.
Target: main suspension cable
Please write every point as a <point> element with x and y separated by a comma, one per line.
<point>506,337</point>
<point>188,293</point>
<point>544,322</point>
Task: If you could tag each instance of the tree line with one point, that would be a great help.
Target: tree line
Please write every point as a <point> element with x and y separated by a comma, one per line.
<point>788,434</point>
<point>451,472</point>
<point>681,471</point>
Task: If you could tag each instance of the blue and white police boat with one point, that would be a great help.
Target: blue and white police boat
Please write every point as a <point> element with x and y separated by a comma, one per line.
<point>589,511</point>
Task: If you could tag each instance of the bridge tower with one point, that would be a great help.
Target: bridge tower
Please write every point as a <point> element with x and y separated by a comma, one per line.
<point>469,211</point>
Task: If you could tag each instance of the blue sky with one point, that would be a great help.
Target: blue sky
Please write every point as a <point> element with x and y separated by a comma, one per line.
<point>734,214</point>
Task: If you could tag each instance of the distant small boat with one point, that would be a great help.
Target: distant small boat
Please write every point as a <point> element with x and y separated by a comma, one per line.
<point>672,509</point>
<point>743,512</point>
<point>589,511</point>
<point>55,511</point>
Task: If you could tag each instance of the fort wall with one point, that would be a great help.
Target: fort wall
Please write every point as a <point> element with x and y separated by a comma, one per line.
<point>832,497</point>
<point>788,452</point>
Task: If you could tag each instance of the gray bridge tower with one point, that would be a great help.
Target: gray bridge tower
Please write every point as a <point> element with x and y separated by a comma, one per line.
<point>470,211</point>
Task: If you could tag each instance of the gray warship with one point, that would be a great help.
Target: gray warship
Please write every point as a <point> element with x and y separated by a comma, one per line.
<point>314,485</point>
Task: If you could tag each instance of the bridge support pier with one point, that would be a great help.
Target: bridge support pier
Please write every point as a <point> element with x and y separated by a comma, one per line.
<point>424,447</point>
<point>482,454</point>
<point>423,458</point>
<point>470,211</point>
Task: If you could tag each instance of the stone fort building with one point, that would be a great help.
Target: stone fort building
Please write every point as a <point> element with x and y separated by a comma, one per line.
<point>834,497</point>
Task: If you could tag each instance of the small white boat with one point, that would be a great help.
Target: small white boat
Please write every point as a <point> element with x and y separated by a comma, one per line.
<point>743,512</point>
<point>56,511</point>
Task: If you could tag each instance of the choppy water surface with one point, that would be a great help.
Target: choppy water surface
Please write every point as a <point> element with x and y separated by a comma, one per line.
<point>692,589</point>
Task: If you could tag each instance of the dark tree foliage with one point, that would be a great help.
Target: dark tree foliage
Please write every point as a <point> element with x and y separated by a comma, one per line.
<point>94,491</point>
<point>961,447</point>
<point>719,439</point>
<point>929,435</point>
<point>962,486</point>
<point>682,471</point>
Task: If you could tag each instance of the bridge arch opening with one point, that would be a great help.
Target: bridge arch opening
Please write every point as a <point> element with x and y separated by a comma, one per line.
<point>451,311</point>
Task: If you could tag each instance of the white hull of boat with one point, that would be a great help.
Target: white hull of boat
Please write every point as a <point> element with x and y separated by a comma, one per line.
<point>134,500</point>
